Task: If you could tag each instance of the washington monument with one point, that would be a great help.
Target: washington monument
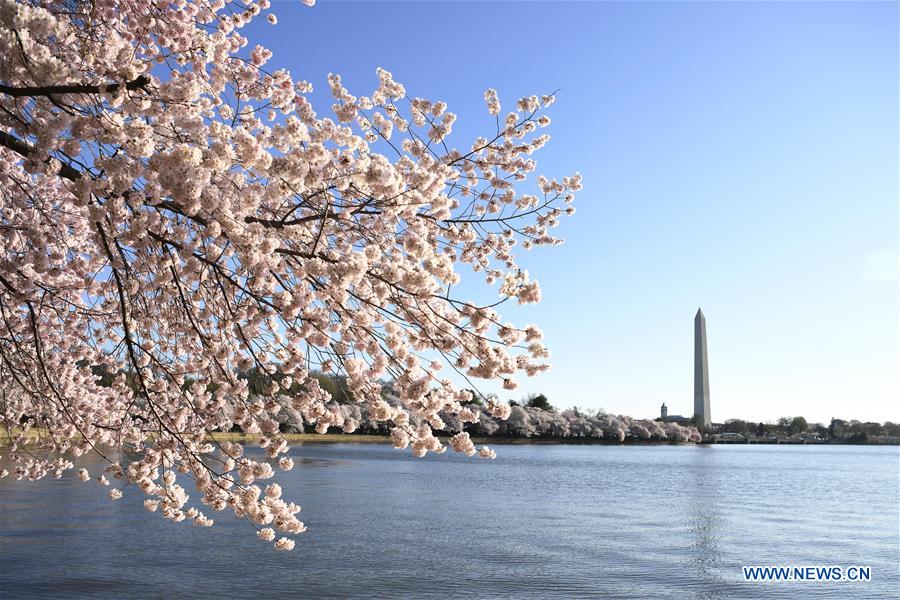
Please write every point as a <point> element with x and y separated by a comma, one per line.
<point>701,373</point>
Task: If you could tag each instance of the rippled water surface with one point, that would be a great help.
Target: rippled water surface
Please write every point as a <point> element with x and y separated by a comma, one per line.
<point>539,521</point>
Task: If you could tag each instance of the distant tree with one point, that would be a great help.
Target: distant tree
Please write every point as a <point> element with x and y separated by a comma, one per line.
<point>539,401</point>
<point>860,437</point>
<point>569,424</point>
<point>872,428</point>
<point>518,424</point>
<point>737,426</point>
<point>344,394</point>
<point>891,428</point>
<point>486,424</point>
<point>798,425</point>
<point>760,430</point>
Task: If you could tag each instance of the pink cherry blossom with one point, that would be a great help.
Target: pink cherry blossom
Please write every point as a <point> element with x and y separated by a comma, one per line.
<point>174,214</point>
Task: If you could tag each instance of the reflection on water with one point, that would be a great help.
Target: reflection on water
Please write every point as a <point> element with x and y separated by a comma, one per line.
<point>705,523</point>
<point>540,521</point>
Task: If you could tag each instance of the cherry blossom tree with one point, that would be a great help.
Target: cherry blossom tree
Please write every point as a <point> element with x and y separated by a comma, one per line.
<point>526,421</point>
<point>174,213</point>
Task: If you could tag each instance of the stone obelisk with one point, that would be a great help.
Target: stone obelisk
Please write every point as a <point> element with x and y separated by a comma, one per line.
<point>701,372</point>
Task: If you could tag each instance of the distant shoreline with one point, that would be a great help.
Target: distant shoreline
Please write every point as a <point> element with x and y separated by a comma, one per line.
<point>363,438</point>
<point>351,438</point>
<point>360,438</point>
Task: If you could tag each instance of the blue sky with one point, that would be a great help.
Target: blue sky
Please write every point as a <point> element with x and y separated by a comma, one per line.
<point>742,157</point>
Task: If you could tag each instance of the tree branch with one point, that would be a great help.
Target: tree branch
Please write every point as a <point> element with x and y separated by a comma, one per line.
<point>52,90</point>
<point>25,149</point>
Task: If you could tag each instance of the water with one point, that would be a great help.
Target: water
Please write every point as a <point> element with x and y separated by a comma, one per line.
<point>540,521</point>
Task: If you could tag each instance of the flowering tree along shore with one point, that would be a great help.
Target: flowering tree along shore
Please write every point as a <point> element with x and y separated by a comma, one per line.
<point>529,422</point>
<point>175,213</point>
<point>529,419</point>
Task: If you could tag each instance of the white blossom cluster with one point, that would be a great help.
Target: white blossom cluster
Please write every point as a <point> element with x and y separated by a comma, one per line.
<point>173,213</point>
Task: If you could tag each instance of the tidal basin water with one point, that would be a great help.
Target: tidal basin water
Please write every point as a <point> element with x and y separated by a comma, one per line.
<point>537,522</point>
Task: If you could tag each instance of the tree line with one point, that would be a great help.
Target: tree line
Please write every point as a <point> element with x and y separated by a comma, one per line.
<point>533,417</point>
<point>837,429</point>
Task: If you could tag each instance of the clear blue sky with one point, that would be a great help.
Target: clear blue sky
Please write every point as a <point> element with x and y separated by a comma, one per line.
<point>742,157</point>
